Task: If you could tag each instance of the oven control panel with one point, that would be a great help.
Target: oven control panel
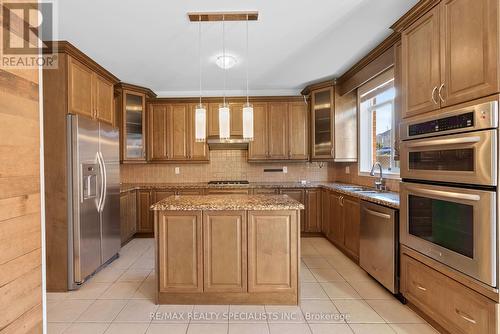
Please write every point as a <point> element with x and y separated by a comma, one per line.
<point>442,124</point>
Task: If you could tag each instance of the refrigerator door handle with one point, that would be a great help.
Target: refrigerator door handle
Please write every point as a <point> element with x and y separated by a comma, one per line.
<point>105,182</point>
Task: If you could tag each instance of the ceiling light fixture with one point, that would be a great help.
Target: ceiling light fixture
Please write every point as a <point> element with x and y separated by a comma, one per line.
<point>200,113</point>
<point>247,107</point>
<point>224,113</point>
<point>226,61</point>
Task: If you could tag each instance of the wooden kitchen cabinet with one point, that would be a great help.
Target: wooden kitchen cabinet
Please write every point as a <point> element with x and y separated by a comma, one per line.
<point>144,214</point>
<point>265,191</point>
<point>346,127</point>
<point>235,119</point>
<point>299,196</point>
<point>322,124</point>
<point>198,151</point>
<point>225,251</point>
<point>258,149</point>
<point>277,120</point>
<point>272,258</point>
<point>325,212</point>
<point>336,226</point>
<point>298,131</point>
<point>450,55</point>
<point>128,218</point>
<point>351,217</point>
<point>180,252</point>
<point>89,94</point>
<point>158,115</point>
<point>313,210</point>
<point>177,131</point>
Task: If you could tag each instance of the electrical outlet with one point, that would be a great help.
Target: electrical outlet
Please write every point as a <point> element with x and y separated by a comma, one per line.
<point>177,170</point>
<point>285,169</point>
<point>347,170</point>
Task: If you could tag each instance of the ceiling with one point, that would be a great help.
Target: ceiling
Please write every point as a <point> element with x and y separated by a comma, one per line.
<point>153,44</point>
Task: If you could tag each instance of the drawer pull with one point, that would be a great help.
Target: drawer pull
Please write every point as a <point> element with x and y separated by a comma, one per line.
<point>421,288</point>
<point>465,316</point>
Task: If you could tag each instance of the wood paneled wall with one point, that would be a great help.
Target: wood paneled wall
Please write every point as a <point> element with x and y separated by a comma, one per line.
<point>20,225</point>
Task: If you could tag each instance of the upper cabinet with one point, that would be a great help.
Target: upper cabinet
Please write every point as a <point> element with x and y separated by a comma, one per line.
<point>281,132</point>
<point>130,102</point>
<point>346,127</point>
<point>322,124</point>
<point>450,55</point>
<point>172,134</point>
<point>235,119</point>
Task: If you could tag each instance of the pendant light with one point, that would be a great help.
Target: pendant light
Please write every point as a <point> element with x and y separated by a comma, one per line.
<point>247,107</point>
<point>200,114</point>
<point>224,114</point>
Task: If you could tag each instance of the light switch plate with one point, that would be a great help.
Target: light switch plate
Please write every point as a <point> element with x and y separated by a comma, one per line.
<point>177,170</point>
<point>285,169</point>
<point>347,170</point>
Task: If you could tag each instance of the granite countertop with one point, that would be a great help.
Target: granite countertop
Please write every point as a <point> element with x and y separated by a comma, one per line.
<point>224,202</point>
<point>386,198</point>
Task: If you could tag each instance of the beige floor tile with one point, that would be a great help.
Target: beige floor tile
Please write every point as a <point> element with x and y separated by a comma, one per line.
<point>246,328</point>
<point>354,274</point>
<point>320,311</point>
<point>341,262</point>
<point>120,290</point>
<point>57,327</point>
<point>195,328</point>
<point>371,329</point>
<point>308,249</point>
<point>340,290</point>
<point>102,311</point>
<point>124,262</point>
<point>143,263</point>
<point>284,314</point>
<point>137,310</point>
<point>210,314</point>
<point>289,328</point>
<point>371,290</point>
<point>67,310</point>
<point>55,296</point>
<point>330,329</point>
<point>413,329</point>
<point>312,291</point>
<point>147,290</point>
<point>167,328</point>
<point>326,275</point>
<point>306,276</point>
<point>108,275</point>
<point>89,290</point>
<point>86,328</point>
<point>394,312</point>
<point>173,314</point>
<point>134,275</point>
<point>247,314</point>
<point>357,311</point>
<point>315,262</point>
<point>127,328</point>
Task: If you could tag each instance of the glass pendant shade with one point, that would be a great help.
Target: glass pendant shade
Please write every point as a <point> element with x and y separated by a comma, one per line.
<point>224,121</point>
<point>248,121</point>
<point>200,117</point>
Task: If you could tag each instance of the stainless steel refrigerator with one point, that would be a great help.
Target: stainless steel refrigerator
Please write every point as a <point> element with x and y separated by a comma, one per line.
<point>94,197</point>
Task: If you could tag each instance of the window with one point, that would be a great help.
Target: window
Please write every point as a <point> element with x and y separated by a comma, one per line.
<point>376,124</point>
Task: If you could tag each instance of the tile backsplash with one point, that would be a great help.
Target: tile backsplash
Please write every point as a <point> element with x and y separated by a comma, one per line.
<point>226,165</point>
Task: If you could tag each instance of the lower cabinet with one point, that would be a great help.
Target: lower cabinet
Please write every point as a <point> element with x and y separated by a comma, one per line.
<point>313,211</point>
<point>128,217</point>
<point>144,215</point>
<point>455,307</point>
<point>344,222</point>
<point>325,211</point>
<point>180,252</point>
<point>225,251</point>
<point>298,195</point>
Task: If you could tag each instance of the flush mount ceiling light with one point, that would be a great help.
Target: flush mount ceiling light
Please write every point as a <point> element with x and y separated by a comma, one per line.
<point>226,61</point>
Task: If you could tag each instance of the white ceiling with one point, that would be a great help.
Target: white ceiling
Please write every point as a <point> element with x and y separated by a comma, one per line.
<point>153,44</point>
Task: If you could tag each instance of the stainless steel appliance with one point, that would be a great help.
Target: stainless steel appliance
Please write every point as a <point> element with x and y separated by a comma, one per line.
<point>94,197</point>
<point>378,248</point>
<point>449,166</point>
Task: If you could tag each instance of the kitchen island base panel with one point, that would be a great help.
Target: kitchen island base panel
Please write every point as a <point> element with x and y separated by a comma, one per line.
<point>259,253</point>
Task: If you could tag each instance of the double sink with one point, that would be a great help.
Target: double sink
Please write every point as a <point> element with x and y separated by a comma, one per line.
<point>362,190</point>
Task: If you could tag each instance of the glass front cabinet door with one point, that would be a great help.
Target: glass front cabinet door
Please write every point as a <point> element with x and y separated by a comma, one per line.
<point>134,126</point>
<point>322,113</point>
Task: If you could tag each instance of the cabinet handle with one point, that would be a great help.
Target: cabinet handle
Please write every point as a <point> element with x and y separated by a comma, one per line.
<point>421,288</point>
<point>433,95</point>
<point>465,316</point>
<point>439,92</point>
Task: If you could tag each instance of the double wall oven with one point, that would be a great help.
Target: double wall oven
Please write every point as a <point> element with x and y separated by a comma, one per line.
<point>449,167</point>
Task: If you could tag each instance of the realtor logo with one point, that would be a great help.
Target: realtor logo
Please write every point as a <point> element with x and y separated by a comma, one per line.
<point>25,26</point>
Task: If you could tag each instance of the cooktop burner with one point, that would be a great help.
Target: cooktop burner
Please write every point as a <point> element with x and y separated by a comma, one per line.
<point>229,182</point>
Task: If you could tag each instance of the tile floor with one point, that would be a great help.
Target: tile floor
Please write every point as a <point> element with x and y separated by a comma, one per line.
<point>119,299</point>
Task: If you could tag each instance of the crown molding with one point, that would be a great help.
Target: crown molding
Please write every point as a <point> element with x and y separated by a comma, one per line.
<point>422,7</point>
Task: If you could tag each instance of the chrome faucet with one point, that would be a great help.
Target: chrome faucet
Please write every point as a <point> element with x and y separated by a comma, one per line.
<point>380,183</point>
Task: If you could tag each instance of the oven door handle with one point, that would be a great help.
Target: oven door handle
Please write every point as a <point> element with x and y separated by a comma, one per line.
<point>443,142</point>
<point>445,194</point>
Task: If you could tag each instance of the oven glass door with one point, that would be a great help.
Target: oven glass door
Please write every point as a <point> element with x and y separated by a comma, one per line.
<point>462,158</point>
<point>455,226</point>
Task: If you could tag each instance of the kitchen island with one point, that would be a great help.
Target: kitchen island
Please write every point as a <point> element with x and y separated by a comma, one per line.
<point>227,249</point>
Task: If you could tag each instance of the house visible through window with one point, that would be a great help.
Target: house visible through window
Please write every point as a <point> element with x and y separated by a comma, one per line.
<point>376,124</point>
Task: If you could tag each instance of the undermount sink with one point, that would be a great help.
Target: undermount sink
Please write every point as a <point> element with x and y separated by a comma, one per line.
<point>367,191</point>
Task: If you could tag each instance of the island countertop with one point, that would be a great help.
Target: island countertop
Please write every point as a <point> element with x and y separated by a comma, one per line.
<point>227,202</point>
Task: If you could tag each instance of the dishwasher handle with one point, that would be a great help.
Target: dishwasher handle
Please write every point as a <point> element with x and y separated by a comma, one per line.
<point>378,214</point>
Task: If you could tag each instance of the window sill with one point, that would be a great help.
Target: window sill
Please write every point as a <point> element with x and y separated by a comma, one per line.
<point>385,175</point>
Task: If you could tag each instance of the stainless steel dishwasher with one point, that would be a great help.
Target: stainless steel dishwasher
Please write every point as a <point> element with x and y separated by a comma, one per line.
<point>378,249</point>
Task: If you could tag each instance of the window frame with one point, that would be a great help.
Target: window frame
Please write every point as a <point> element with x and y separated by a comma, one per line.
<point>368,87</point>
